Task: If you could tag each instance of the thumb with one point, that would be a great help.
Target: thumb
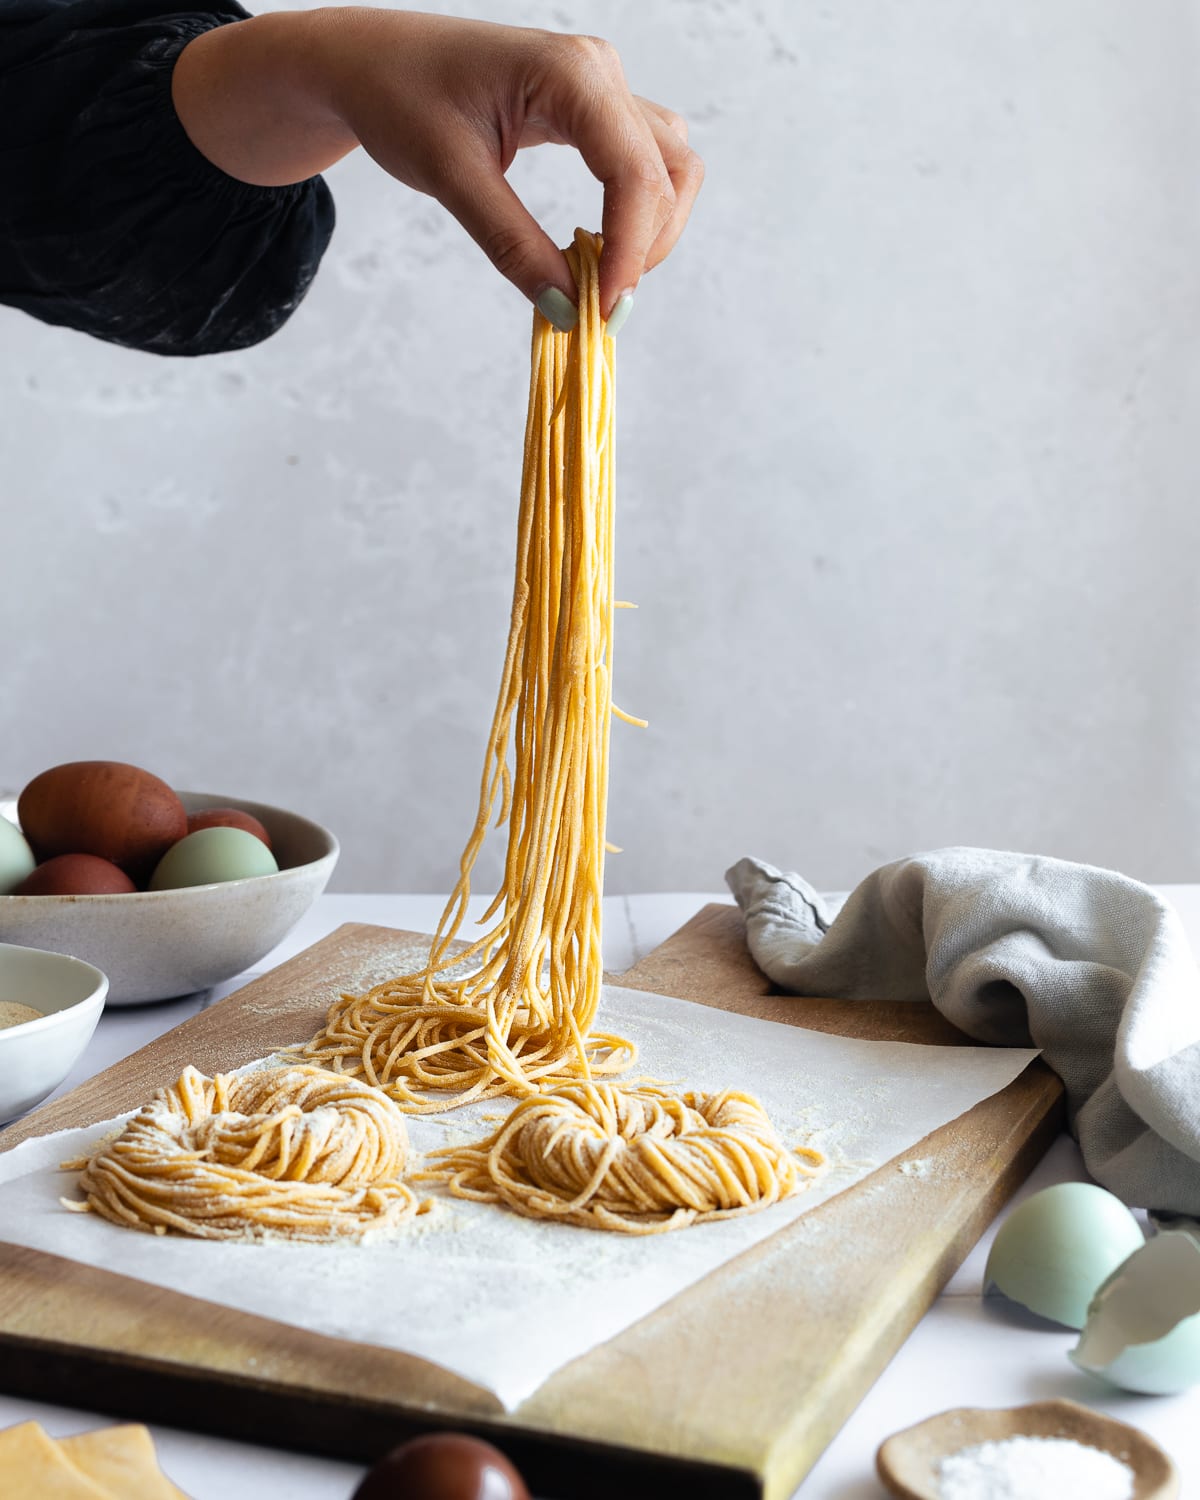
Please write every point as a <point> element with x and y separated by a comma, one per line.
<point>481,199</point>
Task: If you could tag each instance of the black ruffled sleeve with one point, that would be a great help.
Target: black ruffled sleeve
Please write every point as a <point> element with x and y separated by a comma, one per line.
<point>110,220</point>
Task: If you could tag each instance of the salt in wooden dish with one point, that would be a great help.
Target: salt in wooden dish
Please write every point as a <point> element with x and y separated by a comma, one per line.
<point>908,1461</point>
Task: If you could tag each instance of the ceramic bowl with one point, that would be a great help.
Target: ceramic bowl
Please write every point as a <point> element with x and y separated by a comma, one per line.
<point>36,1056</point>
<point>155,945</point>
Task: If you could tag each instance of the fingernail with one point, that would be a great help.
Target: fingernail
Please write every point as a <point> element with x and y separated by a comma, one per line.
<point>557,308</point>
<point>616,318</point>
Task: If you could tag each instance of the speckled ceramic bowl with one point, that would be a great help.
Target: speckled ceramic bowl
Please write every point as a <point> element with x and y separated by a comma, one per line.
<point>155,945</point>
<point>36,1056</point>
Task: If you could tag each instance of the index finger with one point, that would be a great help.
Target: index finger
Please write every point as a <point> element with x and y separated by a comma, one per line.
<point>638,204</point>
<point>602,120</point>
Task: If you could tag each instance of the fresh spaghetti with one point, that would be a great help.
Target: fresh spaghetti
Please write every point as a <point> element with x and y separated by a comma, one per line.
<point>521,1016</point>
<point>293,1151</point>
<point>517,1018</point>
<point>318,1151</point>
<point>639,1161</point>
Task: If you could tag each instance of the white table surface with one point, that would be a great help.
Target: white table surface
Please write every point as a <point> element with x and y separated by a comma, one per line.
<point>964,1352</point>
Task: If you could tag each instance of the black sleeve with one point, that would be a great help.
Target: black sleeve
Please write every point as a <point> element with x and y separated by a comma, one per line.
<point>111,221</point>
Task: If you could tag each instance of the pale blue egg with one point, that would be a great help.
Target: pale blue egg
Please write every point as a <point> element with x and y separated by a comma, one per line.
<point>16,857</point>
<point>212,856</point>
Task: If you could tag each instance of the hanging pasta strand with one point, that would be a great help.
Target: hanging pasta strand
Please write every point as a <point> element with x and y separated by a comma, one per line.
<point>516,1013</point>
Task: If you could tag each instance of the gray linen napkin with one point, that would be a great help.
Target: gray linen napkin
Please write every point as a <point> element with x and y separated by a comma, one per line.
<point>1021,950</point>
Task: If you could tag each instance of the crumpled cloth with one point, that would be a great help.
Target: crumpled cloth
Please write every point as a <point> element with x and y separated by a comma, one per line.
<point>1021,950</point>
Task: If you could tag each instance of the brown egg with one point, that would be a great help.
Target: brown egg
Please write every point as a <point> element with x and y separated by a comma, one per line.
<point>228,817</point>
<point>105,808</point>
<point>443,1466</point>
<point>76,875</point>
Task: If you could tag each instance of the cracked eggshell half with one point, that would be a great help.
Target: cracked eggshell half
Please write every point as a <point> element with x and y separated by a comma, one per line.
<point>1143,1327</point>
<point>1054,1250</point>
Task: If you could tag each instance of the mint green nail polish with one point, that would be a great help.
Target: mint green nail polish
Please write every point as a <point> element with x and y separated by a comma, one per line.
<point>557,308</point>
<point>616,318</point>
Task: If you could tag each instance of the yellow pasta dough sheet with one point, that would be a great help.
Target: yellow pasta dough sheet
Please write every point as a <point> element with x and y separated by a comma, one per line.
<point>34,1468</point>
<point>123,1460</point>
<point>112,1463</point>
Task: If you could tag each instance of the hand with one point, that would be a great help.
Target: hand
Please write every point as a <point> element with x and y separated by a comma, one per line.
<point>444,105</point>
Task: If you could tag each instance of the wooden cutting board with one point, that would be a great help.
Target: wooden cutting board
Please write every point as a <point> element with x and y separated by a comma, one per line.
<point>728,1392</point>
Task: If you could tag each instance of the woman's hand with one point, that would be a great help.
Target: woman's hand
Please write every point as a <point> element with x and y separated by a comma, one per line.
<point>444,105</point>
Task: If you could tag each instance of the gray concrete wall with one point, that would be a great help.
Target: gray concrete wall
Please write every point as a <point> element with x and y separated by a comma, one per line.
<point>908,458</point>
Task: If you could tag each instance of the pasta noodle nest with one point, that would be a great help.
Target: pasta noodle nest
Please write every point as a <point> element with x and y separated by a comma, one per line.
<point>635,1160</point>
<point>419,1052</point>
<point>294,1151</point>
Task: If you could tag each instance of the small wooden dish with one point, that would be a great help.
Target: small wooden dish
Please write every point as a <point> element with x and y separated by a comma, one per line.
<point>908,1461</point>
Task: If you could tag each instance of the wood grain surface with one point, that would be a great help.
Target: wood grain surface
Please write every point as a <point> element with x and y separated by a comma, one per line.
<point>730,1390</point>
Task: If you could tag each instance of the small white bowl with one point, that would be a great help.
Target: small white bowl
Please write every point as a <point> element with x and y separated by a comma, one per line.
<point>36,1056</point>
<point>156,945</point>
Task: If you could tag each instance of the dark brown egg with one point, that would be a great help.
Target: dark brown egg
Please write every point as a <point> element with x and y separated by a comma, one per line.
<point>228,817</point>
<point>76,875</point>
<point>102,807</point>
<point>443,1466</point>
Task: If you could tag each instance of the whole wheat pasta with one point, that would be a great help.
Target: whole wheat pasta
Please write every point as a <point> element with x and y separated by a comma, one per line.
<point>523,1013</point>
<point>639,1161</point>
<point>295,1151</point>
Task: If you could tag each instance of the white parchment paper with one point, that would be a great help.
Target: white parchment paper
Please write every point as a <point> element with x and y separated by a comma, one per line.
<point>505,1301</point>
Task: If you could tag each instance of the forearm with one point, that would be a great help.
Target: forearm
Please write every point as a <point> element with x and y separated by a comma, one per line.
<point>256,97</point>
